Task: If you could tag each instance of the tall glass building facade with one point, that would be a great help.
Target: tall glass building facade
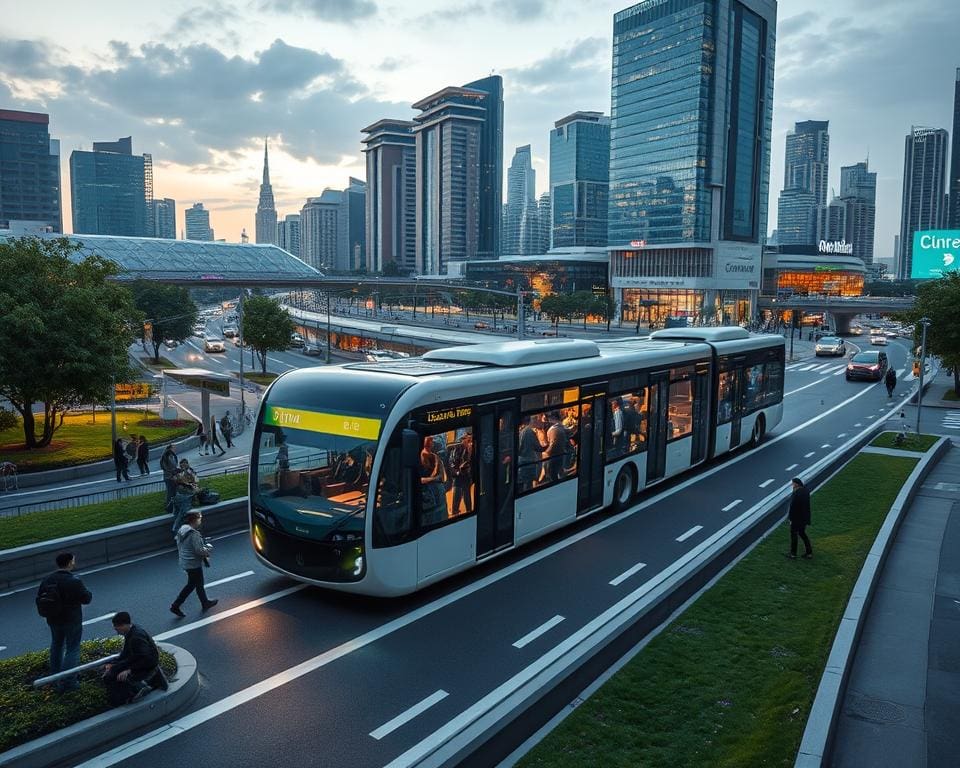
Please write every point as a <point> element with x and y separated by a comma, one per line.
<point>391,220</point>
<point>580,180</point>
<point>490,198</point>
<point>109,190</point>
<point>805,174</point>
<point>953,216</point>
<point>29,171</point>
<point>924,189</point>
<point>690,126</point>
<point>520,228</point>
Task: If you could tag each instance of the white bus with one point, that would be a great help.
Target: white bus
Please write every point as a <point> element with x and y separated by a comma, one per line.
<point>383,477</point>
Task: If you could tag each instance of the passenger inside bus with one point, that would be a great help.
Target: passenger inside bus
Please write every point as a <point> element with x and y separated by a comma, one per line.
<point>446,480</point>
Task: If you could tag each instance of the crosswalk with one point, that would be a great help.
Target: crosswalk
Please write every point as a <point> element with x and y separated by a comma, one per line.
<point>824,369</point>
<point>951,420</point>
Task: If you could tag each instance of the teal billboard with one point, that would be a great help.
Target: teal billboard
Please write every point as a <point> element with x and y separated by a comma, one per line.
<point>935,251</point>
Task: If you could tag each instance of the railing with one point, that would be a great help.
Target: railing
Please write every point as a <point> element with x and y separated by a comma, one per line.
<point>40,681</point>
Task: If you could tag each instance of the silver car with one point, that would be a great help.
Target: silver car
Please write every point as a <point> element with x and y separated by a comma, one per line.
<point>831,345</point>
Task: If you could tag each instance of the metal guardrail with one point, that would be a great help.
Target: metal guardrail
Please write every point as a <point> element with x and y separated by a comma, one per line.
<point>74,670</point>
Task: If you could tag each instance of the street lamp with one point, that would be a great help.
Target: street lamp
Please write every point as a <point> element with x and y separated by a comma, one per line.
<point>925,322</point>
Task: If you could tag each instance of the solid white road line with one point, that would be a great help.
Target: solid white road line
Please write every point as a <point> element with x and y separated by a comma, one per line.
<point>808,455</point>
<point>627,574</point>
<point>792,467</point>
<point>800,389</point>
<point>542,629</point>
<point>688,534</point>
<point>765,483</point>
<point>229,578</point>
<point>99,618</point>
<point>405,717</point>
<point>734,503</point>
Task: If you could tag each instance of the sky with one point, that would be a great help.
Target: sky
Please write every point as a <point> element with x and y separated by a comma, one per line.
<point>199,85</point>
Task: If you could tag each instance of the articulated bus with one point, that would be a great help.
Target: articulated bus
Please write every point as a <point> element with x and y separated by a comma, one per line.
<point>383,477</point>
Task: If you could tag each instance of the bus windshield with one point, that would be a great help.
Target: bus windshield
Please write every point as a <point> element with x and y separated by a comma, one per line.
<point>313,469</point>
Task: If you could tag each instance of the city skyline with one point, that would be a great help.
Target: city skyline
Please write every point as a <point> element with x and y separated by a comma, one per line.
<point>554,59</point>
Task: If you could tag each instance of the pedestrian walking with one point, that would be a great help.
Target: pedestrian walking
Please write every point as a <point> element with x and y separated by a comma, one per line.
<point>226,426</point>
<point>169,465</point>
<point>202,434</point>
<point>143,456</point>
<point>130,449</point>
<point>214,440</point>
<point>193,554</point>
<point>60,600</point>
<point>891,381</point>
<point>799,519</point>
<point>120,460</point>
<point>136,671</point>
<point>187,487</point>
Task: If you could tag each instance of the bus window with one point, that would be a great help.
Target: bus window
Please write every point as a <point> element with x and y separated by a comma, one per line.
<point>446,476</point>
<point>392,519</point>
<point>726,397</point>
<point>753,390</point>
<point>627,424</point>
<point>547,450</point>
<point>680,411</point>
<point>773,389</point>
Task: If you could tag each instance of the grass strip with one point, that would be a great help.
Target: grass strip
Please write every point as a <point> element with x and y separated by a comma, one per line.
<point>52,524</point>
<point>917,443</point>
<point>86,437</point>
<point>258,378</point>
<point>730,682</point>
<point>950,395</point>
<point>27,713</point>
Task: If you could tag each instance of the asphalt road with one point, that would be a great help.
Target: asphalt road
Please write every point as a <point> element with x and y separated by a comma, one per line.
<point>299,676</point>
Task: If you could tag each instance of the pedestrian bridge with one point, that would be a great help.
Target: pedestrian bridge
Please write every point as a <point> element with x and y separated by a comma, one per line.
<point>841,309</point>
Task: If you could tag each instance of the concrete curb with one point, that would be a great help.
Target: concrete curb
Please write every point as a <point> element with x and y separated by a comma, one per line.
<point>57,748</point>
<point>29,563</point>
<point>816,743</point>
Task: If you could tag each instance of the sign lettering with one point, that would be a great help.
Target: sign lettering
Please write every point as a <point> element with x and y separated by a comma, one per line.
<point>460,412</point>
<point>327,423</point>
<point>835,246</point>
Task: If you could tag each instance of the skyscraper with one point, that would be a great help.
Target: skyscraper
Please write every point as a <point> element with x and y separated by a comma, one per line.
<point>691,117</point>
<point>112,190</point>
<point>544,220</point>
<point>266,224</point>
<point>288,233</point>
<point>953,219</point>
<point>391,218</point>
<point>924,185</point>
<point>858,190</point>
<point>520,231</point>
<point>805,176</point>
<point>164,218</point>
<point>319,219</point>
<point>459,146</point>
<point>29,170</point>
<point>197,221</point>
<point>580,179</point>
<point>351,227</point>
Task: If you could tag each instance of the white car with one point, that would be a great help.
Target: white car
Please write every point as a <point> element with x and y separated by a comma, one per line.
<point>878,340</point>
<point>830,345</point>
<point>213,344</point>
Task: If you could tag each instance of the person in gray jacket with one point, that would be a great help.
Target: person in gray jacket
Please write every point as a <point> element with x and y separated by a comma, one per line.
<point>194,554</point>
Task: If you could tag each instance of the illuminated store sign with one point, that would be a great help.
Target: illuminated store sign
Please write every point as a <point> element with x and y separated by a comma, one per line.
<point>935,252</point>
<point>835,246</point>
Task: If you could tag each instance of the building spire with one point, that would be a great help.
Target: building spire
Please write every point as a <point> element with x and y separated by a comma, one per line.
<point>266,165</point>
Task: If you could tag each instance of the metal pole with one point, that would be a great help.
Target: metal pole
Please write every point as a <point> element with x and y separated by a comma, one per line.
<point>328,326</point>
<point>793,326</point>
<point>923,362</point>
<point>243,402</point>
<point>519,315</point>
<point>113,413</point>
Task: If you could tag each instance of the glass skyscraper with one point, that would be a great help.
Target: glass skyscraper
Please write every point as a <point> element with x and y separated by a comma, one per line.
<point>520,227</point>
<point>196,220</point>
<point>352,228</point>
<point>391,219</point>
<point>29,171</point>
<point>924,188</point>
<point>580,180</point>
<point>491,166</point>
<point>111,190</point>
<point>164,218</point>
<point>690,123</point>
<point>805,174</point>
<point>953,217</point>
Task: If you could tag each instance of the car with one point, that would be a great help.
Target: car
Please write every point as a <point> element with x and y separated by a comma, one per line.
<point>891,334</point>
<point>830,345</point>
<point>481,326</point>
<point>171,343</point>
<point>878,340</point>
<point>871,365</point>
<point>229,332</point>
<point>309,348</point>
<point>213,344</point>
<point>199,331</point>
<point>856,330</point>
<point>296,340</point>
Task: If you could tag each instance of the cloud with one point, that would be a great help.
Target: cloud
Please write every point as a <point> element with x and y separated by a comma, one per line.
<point>798,23</point>
<point>338,11</point>
<point>392,64</point>
<point>25,59</point>
<point>515,10</point>
<point>580,61</point>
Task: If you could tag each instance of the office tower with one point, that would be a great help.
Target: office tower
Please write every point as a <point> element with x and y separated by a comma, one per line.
<point>520,232</point>
<point>197,220</point>
<point>690,123</point>
<point>580,179</point>
<point>953,219</point>
<point>806,171</point>
<point>831,221</point>
<point>924,182</point>
<point>459,152</point>
<point>351,227</point>
<point>288,233</point>
<point>858,190</point>
<point>29,171</point>
<point>266,222</point>
<point>319,219</point>
<point>111,190</point>
<point>391,218</point>
<point>164,218</point>
<point>544,220</point>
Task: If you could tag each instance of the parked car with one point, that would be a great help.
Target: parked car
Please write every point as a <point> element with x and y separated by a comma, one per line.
<point>871,365</point>
<point>213,344</point>
<point>830,345</point>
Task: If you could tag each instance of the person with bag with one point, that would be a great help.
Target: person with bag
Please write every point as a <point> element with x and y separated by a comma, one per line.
<point>137,670</point>
<point>170,465</point>
<point>194,554</point>
<point>120,461</point>
<point>60,600</point>
<point>143,456</point>
<point>187,488</point>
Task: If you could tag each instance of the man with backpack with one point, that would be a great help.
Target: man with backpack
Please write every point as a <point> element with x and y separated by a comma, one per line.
<point>59,600</point>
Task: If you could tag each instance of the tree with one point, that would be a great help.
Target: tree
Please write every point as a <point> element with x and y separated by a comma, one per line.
<point>939,300</point>
<point>169,311</point>
<point>266,327</point>
<point>64,331</point>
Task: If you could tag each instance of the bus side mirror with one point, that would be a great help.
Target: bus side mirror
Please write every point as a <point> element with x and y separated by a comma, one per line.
<point>410,448</point>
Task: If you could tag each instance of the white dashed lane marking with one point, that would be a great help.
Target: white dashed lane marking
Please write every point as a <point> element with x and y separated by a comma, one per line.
<point>688,534</point>
<point>627,574</point>
<point>765,483</point>
<point>542,629</point>
<point>731,505</point>
<point>405,717</point>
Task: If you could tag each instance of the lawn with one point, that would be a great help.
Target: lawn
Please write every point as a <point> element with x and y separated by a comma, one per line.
<point>258,378</point>
<point>917,443</point>
<point>164,363</point>
<point>86,437</point>
<point>53,524</point>
<point>951,395</point>
<point>27,713</point>
<point>730,682</point>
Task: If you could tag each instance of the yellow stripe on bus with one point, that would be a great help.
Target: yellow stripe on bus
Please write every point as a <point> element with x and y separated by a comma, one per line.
<point>328,423</point>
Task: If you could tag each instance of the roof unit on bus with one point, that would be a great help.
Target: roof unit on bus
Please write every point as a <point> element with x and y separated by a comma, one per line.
<point>726,333</point>
<point>514,353</point>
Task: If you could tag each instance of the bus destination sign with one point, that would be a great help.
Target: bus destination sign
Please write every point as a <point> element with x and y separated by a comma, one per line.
<point>449,414</point>
<point>328,423</point>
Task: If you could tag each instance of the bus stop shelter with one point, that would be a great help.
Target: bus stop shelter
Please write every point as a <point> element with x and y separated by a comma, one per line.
<point>208,382</point>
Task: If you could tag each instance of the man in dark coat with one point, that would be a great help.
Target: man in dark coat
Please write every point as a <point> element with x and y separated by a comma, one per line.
<point>137,671</point>
<point>799,519</point>
<point>60,598</point>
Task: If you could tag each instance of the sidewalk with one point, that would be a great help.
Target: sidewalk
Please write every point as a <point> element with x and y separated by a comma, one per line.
<point>902,702</point>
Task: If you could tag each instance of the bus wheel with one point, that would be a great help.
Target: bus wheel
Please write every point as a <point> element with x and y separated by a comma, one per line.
<point>759,429</point>
<point>623,489</point>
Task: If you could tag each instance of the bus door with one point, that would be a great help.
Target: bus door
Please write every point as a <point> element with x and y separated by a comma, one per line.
<point>701,413</point>
<point>737,370</point>
<point>497,425</point>
<point>593,407</point>
<point>658,399</point>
